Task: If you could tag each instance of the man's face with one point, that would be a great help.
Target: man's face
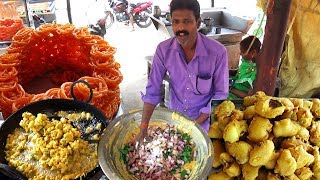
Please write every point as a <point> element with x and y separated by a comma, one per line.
<point>184,26</point>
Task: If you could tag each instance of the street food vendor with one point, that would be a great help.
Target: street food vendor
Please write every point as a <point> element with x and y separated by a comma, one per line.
<point>197,66</point>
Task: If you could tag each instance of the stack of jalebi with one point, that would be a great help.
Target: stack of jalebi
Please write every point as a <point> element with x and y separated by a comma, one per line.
<point>67,54</point>
<point>9,27</point>
<point>10,23</point>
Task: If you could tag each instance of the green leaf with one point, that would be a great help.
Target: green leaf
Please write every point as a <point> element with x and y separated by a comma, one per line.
<point>183,173</point>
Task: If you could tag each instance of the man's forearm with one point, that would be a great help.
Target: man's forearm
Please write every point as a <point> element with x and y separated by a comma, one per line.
<point>146,115</point>
<point>201,118</point>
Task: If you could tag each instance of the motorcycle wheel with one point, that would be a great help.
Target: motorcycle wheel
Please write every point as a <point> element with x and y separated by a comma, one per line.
<point>142,19</point>
<point>109,20</point>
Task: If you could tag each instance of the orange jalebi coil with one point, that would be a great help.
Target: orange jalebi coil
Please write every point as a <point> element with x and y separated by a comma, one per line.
<point>67,54</point>
<point>9,27</point>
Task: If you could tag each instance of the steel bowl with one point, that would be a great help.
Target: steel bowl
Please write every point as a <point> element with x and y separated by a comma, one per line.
<point>120,129</point>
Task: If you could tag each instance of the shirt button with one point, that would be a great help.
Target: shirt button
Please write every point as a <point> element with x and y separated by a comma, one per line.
<point>185,100</point>
<point>187,88</point>
<point>185,110</point>
<point>189,76</point>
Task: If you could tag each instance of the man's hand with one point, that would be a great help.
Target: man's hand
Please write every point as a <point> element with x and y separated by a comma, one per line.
<point>141,136</point>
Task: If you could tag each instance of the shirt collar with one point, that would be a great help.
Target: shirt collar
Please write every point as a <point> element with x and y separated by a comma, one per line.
<point>200,48</point>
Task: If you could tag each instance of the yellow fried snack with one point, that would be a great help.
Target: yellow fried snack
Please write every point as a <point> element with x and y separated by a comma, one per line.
<point>297,102</point>
<point>291,177</point>
<point>259,129</point>
<point>286,164</point>
<point>239,150</point>
<point>286,103</point>
<point>294,142</point>
<point>315,153</point>
<point>316,169</point>
<point>219,176</point>
<point>304,117</point>
<point>273,161</point>
<point>285,128</point>
<point>251,100</point>
<point>214,131</point>
<point>315,109</point>
<point>303,134</point>
<point>234,130</point>
<point>218,149</point>
<point>268,107</point>
<point>261,154</point>
<point>249,172</point>
<point>229,165</point>
<point>307,104</point>
<point>249,112</point>
<point>224,109</point>
<point>304,173</point>
<point>315,133</point>
<point>223,122</point>
<point>273,176</point>
<point>236,115</point>
<point>302,157</point>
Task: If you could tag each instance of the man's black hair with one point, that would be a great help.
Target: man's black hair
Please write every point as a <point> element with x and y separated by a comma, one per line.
<point>245,43</point>
<point>192,5</point>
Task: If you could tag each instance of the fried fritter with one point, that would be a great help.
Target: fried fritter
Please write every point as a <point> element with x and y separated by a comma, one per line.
<point>234,130</point>
<point>261,154</point>
<point>268,107</point>
<point>273,176</point>
<point>286,164</point>
<point>219,176</point>
<point>285,128</point>
<point>304,173</point>
<point>315,109</point>
<point>315,133</point>
<point>273,160</point>
<point>250,172</point>
<point>214,131</point>
<point>230,166</point>
<point>224,109</point>
<point>239,150</point>
<point>223,122</point>
<point>249,100</point>
<point>297,102</point>
<point>302,157</point>
<point>259,129</point>
<point>316,169</point>
<point>249,112</point>
<point>294,142</point>
<point>304,117</point>
<point>286,103</point>
<point>303,134</point>
<point>236,115</point>
<point>218,149</point>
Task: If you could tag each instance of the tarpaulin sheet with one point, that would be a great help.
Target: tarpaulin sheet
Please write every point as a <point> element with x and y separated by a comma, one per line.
<point>300,67</point>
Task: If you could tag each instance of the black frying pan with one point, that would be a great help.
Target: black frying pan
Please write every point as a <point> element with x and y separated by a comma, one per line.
<point>50,106</point>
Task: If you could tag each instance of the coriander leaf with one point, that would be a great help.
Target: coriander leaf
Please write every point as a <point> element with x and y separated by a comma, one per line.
<point>183,173</point>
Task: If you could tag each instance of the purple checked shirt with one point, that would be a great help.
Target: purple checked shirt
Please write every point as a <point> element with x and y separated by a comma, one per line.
<point>192,85</point>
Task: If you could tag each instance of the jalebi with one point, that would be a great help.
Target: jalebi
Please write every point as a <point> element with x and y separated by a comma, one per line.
<point>67,54</point>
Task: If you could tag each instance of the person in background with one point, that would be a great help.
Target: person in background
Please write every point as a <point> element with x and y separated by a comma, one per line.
<point>130,10</point>
<point>243,81</point>
<point>197,66</point>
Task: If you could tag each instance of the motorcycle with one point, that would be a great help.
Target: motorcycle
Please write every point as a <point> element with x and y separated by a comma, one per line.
<point>119,10</point>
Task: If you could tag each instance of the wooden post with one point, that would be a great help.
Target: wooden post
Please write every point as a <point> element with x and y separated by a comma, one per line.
<point>268,60</point>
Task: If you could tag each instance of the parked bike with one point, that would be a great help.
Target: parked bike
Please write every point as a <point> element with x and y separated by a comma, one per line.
<point>119,11</point>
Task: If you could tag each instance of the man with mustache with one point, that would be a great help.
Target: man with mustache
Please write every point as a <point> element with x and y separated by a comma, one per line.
<point>197,67</point>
